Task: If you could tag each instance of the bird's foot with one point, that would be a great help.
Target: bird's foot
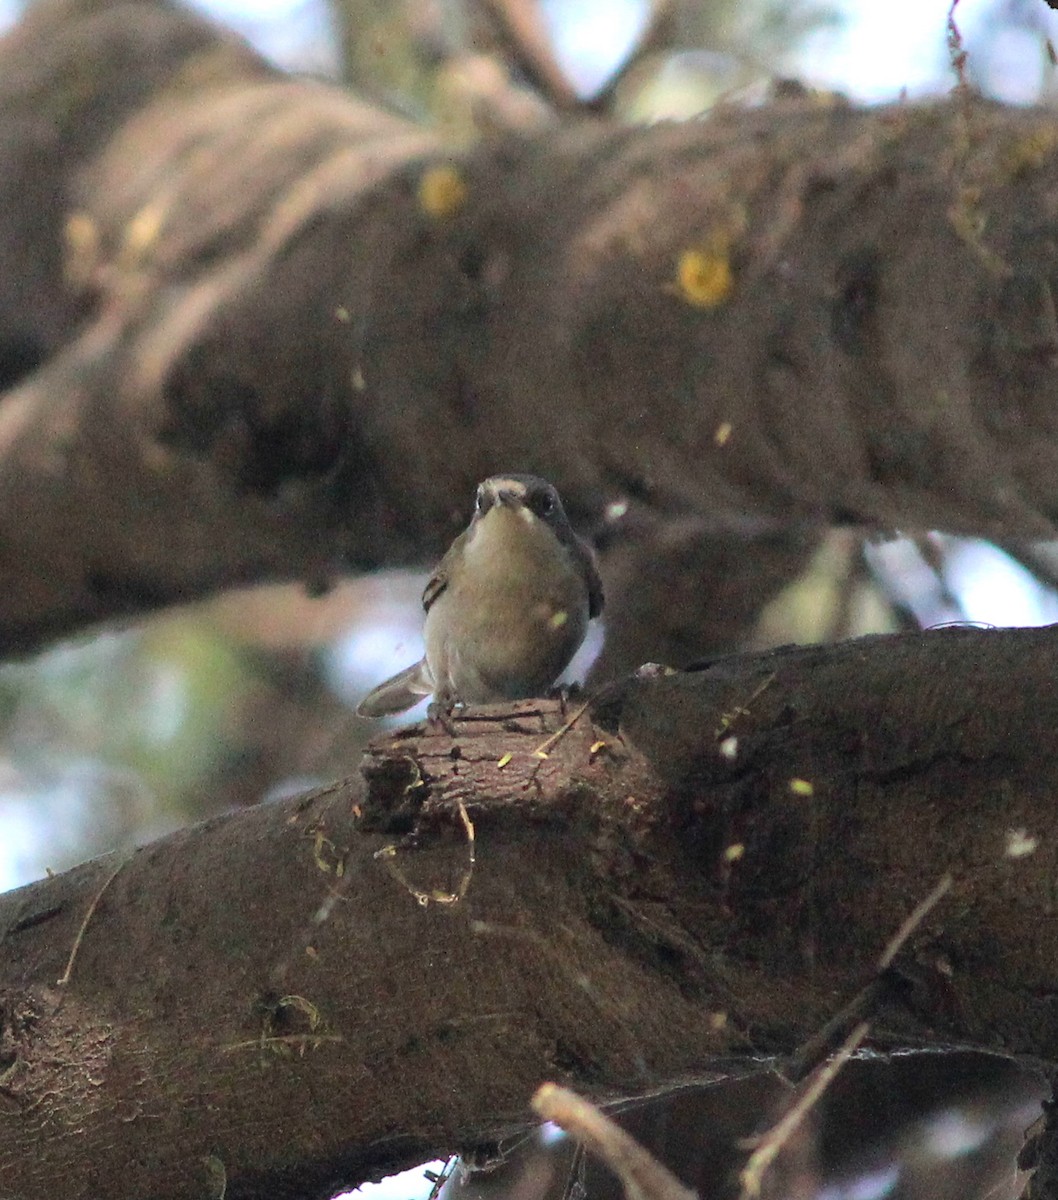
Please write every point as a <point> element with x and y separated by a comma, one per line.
<point>565,694</point>
<point>441,711</point>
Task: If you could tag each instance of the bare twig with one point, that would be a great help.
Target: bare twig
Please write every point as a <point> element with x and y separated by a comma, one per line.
<point>64,978</point>
<point>861,1007</point>
<point>439,1178</point>
<point>643,1177</point>
<point>863,1003</point>
<point>388,857</point>
<point>957,55</point>
<point>771,1143</point>
<point>866,1000</point>
<point>298,1041</point>
<point>545,746</point>
<point>915,918</point>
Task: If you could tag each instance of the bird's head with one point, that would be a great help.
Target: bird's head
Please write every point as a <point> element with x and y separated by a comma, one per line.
<point>527,496</point>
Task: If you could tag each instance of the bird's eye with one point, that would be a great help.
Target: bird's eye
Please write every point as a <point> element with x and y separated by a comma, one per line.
<point>479,500</point>
<point>545,504</point>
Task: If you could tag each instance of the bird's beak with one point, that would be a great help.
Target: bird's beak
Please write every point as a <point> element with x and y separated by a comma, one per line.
<point>508,498</point>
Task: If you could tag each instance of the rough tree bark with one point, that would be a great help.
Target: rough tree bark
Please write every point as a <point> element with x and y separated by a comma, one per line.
<point>293,331</point>
<point>270,971</point>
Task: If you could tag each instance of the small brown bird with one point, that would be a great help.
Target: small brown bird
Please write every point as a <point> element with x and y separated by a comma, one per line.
<point>507,607</point>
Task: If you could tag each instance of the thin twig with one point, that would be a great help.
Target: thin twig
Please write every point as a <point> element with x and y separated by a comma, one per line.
<point>861,1007</point>
<point>917,915</point>
<point>772,1142</point>
<point>866,1000</point>
<point>64,979</point>
<point>439,1178</point>
<point>542,750</point>
<point>301,1041</point>
<point>387,856</point>
<point>743,710</point>
<point>643,1177</point>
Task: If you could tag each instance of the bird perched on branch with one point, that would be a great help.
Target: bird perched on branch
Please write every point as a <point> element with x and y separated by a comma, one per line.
<point>507,607</point>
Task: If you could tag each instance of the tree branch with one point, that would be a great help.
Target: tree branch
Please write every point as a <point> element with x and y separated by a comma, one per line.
<point>697,876</point>
<point>298,330</point>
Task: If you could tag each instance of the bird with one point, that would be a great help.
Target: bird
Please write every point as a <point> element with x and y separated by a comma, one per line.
<point>507,607</point>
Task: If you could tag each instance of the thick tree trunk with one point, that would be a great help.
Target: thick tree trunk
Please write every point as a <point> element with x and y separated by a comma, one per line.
<point>702,870</point>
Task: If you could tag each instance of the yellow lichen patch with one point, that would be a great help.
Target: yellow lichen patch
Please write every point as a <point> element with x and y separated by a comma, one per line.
<point>970,221</point>
<point>81,235</point>
<point>325,853</point>
<point>1032,151</point>
<point>558,619</point>
<point>734,852</point>
<point>141,233</point>
<point>704,278</point>
<point>967,216</point>
<point>442,192</point>
<point>723,433</point>
<point>801,787</point>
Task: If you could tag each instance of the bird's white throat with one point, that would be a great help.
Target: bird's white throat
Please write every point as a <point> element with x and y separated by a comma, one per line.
<point>507,534</point>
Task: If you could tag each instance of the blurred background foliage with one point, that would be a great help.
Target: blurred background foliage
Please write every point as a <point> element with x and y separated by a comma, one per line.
<point>118,736</point>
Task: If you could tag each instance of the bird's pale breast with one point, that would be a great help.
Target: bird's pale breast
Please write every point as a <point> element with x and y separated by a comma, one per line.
<point>508,624</point>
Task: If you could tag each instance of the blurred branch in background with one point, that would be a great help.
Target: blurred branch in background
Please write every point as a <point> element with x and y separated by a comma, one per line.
<point>636,59</point>
<point>114,739</point>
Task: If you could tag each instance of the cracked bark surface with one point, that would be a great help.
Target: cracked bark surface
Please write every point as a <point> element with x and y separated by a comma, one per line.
<point>233,981</point>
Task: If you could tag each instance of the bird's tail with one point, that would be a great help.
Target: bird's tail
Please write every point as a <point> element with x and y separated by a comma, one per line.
<point>406,688</point>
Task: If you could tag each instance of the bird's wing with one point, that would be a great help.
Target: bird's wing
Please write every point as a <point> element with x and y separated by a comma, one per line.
<point>439,579</point>
<point>586,558</point>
